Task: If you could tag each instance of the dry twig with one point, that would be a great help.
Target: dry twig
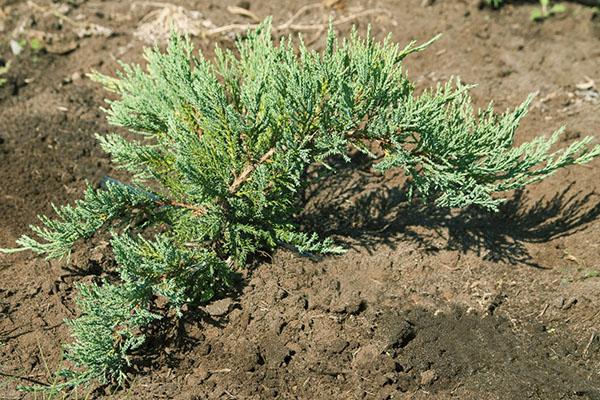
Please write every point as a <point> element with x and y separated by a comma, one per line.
<point>155,26</point>
<point>248,170</point>
<point>243,12</point>
<point>587,348</point>
<point>290,25</point>
<point>80,29</point>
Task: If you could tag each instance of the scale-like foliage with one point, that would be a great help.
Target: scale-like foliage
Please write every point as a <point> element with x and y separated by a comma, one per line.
<point>222,151</point>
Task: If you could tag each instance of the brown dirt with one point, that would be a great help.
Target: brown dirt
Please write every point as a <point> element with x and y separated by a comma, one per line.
<point>426,303</point>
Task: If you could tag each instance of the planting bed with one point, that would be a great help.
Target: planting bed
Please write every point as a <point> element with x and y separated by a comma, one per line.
<point>426,303</point>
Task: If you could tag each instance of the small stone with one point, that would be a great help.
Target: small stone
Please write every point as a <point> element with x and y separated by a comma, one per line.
<point>274,353</point>
<point>32,361</point>
<point>63,286</point>
<point>219,307</point>
<point>33,291</point>
<point>559,302</point>
<point>366,357</point>
<point>338,345</point>
<point>15,47</point>
<point>350,304</point>
<point>62,47</point>
<point>50,287</point>
<point>201,374</point>
<point>294,347</point>
<point>400,334</point>
<point>427,377</point>
<point>280,294</point>
<point>382,380</point>
<point>569,303</point>
<point>203,349</point>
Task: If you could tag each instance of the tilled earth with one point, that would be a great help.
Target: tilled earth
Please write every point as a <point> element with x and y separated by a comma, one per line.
<point>426,303</point>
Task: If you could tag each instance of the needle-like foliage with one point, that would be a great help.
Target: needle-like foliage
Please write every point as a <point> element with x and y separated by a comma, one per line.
<point>219,154</point>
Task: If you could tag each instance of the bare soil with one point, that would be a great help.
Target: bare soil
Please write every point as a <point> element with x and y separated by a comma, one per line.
<point>426,303</point>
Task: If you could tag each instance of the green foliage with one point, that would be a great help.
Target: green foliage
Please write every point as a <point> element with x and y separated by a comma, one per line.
<point>107,330</point>
<point>36,44</point>
<point>3,70</point>
<point>179,274</point>
<point>96,209</point>
<point>494,3</point>
<point>220,155</point>
<point>547,9</point>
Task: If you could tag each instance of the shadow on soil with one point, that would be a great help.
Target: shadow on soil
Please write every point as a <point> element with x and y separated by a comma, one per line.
<point>362,206</point>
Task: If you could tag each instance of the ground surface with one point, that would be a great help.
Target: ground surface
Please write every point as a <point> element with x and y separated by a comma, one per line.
<point>425,304</point>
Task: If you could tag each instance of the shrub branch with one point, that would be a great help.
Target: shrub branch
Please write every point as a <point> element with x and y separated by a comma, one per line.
<point>222,153</point>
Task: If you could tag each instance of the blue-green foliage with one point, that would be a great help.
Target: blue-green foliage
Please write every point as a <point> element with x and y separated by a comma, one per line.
<point>97,208</point>
<point>179,274</point>
<point>107,330</point>
<point>220,154</point>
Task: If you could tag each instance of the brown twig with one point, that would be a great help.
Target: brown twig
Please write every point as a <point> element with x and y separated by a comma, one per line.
<point>24,378</point>
<point>248,170</point>
<point>235,10</point>
<point>289,25</point>
<point>81,29</point>
<point>587,348</point>
<point>349,18</point>
<point>220,371</point>
<point>298,13</point>
<point>197,210</point>
<point>57,14</point>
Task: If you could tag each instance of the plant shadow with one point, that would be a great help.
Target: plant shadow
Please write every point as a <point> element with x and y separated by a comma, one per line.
<point>173,331</point>
<point>363,209</point>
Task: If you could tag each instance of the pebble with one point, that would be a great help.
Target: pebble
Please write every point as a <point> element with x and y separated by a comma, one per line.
<point>338,345</point>
<point>33,291</point>
<point>15,47</point>
<point>350,304</point>
<point>400,334</point>
<point>32,361</point>
<point>203,349</point>
<point>198,375</point>
<point>427,377</point>
<point>365,357</point>
<point>569,303</point>
<point>559,302</point>
<point>219,308</point>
